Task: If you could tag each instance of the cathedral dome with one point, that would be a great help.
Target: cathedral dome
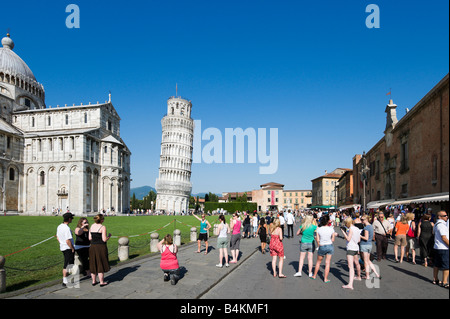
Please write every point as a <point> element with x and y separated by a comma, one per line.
<point>11,63</point>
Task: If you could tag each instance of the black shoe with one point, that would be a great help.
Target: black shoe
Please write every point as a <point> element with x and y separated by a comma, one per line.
<point>166,277</point>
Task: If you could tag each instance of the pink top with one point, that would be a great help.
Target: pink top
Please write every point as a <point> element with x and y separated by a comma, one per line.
<point>168,259</point>
<point>237,227</point>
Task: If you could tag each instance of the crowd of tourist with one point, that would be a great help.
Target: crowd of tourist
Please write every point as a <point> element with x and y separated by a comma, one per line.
<point>407,232</point>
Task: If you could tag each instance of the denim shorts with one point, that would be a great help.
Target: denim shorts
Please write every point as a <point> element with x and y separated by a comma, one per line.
<point>307,247</point>
<point>365,248</point>
<point>326,250</point>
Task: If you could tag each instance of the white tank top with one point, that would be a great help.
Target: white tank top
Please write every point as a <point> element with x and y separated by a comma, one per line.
<point>223,231</point>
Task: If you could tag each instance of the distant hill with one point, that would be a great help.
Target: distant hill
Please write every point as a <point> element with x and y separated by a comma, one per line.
<point>202,195</point>
<point>142,191</point>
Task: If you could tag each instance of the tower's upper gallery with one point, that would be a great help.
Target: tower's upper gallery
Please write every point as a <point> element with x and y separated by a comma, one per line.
<point>179,106</point>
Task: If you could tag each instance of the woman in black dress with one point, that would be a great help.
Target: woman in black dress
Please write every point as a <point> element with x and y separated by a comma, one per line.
<point>426,238</point>
<point>262,231</point>
<point>98,252</point>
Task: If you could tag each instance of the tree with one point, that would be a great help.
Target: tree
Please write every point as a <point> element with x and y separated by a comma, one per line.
<point>242,198</point>
<point>151,198</point>
<point>191,202</point>
<point>212,197</point>
<point>133,201</point>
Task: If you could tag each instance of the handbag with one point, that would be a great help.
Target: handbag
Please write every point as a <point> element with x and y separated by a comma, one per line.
<point>410,232</point>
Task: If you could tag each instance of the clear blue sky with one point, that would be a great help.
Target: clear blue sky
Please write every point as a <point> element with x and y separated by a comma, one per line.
<point>312,69</point>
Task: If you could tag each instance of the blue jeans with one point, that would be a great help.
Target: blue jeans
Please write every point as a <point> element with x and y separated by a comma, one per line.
<point>326,250</point>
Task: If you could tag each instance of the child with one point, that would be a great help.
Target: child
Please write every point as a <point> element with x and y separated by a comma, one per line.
<point>169,261</point>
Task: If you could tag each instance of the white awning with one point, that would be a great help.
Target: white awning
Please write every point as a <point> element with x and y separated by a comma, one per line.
<point>349,206</point>
<point>431,199</point>
<point>380,203</point>
<point>402,202</point>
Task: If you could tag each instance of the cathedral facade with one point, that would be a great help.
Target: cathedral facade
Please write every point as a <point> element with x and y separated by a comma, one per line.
<point>62,158</point>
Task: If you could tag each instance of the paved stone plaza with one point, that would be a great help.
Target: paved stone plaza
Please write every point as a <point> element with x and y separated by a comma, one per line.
<point>250,278</point>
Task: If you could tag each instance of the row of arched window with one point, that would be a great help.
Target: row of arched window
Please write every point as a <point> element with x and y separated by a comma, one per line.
<point>33,88</point>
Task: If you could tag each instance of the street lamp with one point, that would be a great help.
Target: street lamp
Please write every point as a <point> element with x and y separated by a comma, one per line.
<point>364,170</point>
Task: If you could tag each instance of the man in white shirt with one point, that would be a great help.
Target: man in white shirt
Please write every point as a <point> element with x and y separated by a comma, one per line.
<point>290,220</point>
<point>441,258</point>
<point>66,244</point>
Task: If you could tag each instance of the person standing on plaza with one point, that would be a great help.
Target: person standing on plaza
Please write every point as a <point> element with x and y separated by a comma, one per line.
<point>401,228</point>
<point>82,244</point>
<point>338,218</point>
<point>222,241</point>
<point>247,225</point>
<point>98,252</point>
<point>357,221</point>
<point>66,244</point>
<point>277,249</point>
<point>282,222</point>
<point>382,229</point>
<point>325,236</point>
<point>268,219</point>
<point>262,233</point>
<point>365,246</point>
<point>307,230</point>
<point>426,238</point>
<point>203,235</point>
<point>255,223</point>
<point>352,235</point>
<point>440,257</point>
<point>290,221</point>
<point>411,238</point>
<point>235,226</point>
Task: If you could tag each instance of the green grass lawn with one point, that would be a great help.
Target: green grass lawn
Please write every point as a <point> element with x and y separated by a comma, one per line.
<point>43,262</point>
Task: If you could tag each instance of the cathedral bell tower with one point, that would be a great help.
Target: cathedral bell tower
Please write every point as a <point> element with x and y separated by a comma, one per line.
<point>173,186</point>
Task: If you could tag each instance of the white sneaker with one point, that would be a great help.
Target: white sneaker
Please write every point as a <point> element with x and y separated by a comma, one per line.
<point>227,265</point>
<point>310,274</point>
<point>219,265</point>
<point>299,274</point>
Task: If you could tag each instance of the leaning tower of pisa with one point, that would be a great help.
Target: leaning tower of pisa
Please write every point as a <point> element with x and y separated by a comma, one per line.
<point>173,186</point>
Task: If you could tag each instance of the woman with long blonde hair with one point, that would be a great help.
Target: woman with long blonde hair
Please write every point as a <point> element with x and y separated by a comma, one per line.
<point>411,237</point>
<point>307,229</point>
<point>277,249</point>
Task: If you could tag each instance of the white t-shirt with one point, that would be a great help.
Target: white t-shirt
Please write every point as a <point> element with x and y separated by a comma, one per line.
<point>440,229</point>
<point>255,221</point>
<point>352,244</point>
<point>325,233</point>
<point>64,233</point>
<point>290,219</point>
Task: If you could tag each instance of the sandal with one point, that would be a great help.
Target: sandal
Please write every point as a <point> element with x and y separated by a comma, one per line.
<point>444,285</point>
